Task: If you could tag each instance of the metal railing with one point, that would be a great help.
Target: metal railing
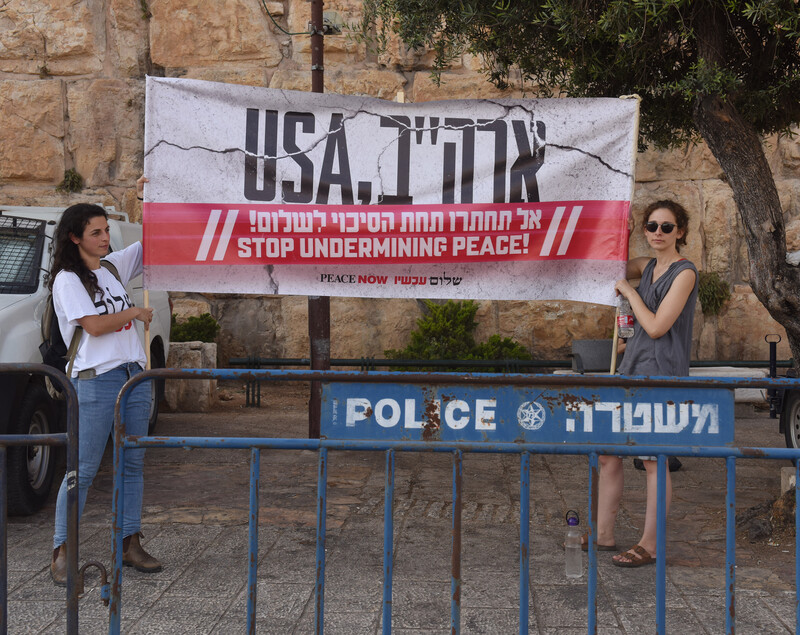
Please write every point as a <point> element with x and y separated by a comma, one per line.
<point>70,439</point>
<point>570,387</point>
<point>253,386</point>
<point>373,363</point>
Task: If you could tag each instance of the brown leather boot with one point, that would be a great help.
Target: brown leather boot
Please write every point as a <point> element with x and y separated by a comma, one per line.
<point>133,555</point>
<point>58,567</point>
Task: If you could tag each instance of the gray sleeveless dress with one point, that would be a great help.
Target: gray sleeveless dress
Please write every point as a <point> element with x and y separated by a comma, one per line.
<point>670,353</point>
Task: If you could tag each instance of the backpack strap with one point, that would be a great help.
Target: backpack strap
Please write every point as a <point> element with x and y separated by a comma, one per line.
<point>112,269</point>
<point>72,351</point>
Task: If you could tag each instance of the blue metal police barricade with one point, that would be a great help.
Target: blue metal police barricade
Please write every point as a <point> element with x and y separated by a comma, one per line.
<point>70,439</point>
<point>486,413</point>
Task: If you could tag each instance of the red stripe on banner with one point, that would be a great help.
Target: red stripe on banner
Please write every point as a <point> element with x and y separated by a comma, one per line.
<point>246,234</point>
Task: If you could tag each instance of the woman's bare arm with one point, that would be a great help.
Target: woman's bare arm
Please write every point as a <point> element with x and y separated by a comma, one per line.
<point>635,267</point>
<point>658,323</point>
<point>97,325</point>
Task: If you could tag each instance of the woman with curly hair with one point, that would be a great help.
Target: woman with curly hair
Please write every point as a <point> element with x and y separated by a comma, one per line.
<point>88,296</point>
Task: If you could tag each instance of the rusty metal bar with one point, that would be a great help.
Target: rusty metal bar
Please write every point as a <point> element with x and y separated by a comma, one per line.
<point>115,610</point>
<point>661,544</point>
<point>252,569</point>
<point>4,541</point>
<point>388,542</point>
<point>245,443</point>
<point>371,363</point>
<point>594,474</point>
<point>730,547</point>
<point>478,379</point>
<point>455,553</point>
<point>319,587</point>
<point>524,539</point>
<point>796,544</point>
<point>70,439</point>
<point>491,363</point>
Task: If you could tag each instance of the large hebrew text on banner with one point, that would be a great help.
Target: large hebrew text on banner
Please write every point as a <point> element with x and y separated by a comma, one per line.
<point>256,190</point>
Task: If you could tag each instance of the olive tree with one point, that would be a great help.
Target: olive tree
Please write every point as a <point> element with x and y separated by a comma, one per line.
<point>724,71</point>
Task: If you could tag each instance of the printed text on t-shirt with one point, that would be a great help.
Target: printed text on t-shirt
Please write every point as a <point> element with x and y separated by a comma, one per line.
<point>111,303</point>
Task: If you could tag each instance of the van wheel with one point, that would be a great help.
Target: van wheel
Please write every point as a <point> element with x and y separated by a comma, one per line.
<point>156,386</point>
<point>31,468</point>
<point>791,418</point>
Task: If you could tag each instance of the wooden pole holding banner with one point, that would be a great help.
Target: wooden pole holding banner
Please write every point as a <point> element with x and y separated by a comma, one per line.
<point>146,294</point>
<point>148,363</point>
<point>634,150</point>
<point>319,307</point>
<point>614,343</point>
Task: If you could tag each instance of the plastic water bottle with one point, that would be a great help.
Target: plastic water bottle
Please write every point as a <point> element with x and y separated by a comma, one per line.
<point>572,546</point>
<point>625,318</point>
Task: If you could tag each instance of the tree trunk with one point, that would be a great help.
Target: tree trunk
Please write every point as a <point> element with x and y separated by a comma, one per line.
<point>737,147</point>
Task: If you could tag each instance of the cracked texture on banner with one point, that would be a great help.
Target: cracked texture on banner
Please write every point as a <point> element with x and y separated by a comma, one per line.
<point>256,190</point>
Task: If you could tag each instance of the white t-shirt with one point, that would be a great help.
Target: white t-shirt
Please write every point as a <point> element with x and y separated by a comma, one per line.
<point>71,303</point>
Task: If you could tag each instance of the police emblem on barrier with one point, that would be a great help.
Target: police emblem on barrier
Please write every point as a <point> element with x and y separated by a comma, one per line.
<point>531,415</point>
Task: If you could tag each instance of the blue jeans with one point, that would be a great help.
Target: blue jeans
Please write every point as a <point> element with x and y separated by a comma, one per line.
<point>96,400</point>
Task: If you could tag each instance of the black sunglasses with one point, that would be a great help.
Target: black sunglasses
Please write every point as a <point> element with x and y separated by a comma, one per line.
<point>652,227</point>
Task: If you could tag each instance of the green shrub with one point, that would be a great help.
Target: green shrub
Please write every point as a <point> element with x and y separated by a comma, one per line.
<point>713,292</point>
<point>203,329</point>
<point>497,347</point>
<point>447,332</point>
<point>444,333</point>
<point>73,182</point>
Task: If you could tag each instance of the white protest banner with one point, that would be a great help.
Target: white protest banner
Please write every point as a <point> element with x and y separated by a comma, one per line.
<point>256,190</point>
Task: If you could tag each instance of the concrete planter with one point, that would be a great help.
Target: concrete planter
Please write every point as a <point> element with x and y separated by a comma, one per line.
<point>191,395</point>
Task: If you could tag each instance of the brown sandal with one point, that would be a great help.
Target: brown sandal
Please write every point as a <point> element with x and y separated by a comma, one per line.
<point>637,556</point>
<point>585,544</point>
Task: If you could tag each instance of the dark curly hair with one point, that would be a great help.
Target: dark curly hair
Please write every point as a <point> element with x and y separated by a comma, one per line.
<point>678,211</point>
<point>66,256</point>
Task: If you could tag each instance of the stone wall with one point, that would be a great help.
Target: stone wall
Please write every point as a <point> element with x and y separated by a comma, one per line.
<point>72,95</point>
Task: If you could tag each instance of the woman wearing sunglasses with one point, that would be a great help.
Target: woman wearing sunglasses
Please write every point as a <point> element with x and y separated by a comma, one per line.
<point>663,309</point>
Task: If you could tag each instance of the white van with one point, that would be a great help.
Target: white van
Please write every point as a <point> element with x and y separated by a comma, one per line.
<point>26,407</point>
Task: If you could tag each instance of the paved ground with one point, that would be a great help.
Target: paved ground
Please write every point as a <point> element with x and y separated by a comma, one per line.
<point>196,522</point>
